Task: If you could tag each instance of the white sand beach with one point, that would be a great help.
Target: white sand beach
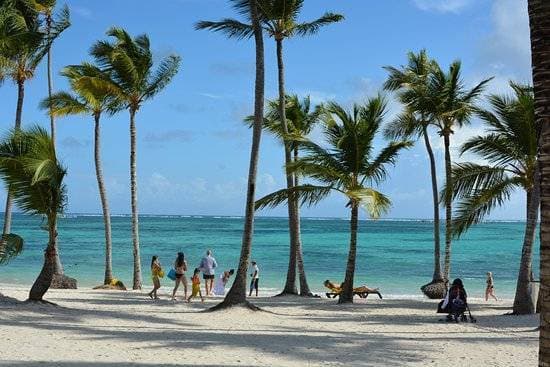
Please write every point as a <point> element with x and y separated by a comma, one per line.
<point>112,328</point>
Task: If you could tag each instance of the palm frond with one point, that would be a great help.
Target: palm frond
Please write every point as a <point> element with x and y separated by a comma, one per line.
<point>63,104</point>
<point>376,170</point>
<point>375,203</point>
<point>11,245</point>
<point>310,28</point>
<point>232,28</point>
<point>308,195</point>
<point>166,70</point>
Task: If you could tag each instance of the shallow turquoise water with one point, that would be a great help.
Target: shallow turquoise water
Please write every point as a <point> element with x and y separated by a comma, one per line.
<point>395,255</point>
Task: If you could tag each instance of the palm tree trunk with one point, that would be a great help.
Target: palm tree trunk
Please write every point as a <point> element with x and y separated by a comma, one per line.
<point>523,303</point>
<point>437,277</point>
<point>304,286</point>
<point>44,279</point>
<point>539,19</point>
<point>133,189</point>
<point>290,284</point>
<point>448,209</point>
<point>347,292</point>
<point>104,202</point>
<point>237,293</point>
<point>18,115</point>
<point>50,81</point>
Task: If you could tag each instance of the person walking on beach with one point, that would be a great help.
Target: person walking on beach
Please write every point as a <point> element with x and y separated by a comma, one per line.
<point>180,266</point>
<point>255,278</point>
<point>207,266</point>
<point>221,281</point>
<point>156,274</point>
<point>195,286</point>
<point>490,290</point>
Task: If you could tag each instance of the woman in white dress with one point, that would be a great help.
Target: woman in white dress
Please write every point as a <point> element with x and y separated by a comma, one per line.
<point>221,281</point>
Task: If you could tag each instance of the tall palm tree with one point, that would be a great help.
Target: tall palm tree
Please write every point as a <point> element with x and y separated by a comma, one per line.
<point>29,166</point>
<point>129,63</point>
<point>539,20</point>
<point>237,292</point>
<point>301,119</point>
<point>92,100</point>
<point>279,20</point>
<point>54,27</point>
<point>510,148</point>
<point>347,166</point>
<point>454,108</point>
<point>411,83</point>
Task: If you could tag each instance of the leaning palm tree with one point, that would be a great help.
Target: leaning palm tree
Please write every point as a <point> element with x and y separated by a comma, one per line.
<point>539,19</point>
<point>347,166</point>
<point>54,26</point>
<point>301,118</point>
<point>29,166</point>
<point>279,20</point>
<point>454,108</point>
<point>411,83</point>
<point>510,148</point>
<point>92,100</point>
<point>129,63</point>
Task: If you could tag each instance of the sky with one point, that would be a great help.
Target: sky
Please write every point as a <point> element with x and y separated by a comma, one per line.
<point>193,148</point>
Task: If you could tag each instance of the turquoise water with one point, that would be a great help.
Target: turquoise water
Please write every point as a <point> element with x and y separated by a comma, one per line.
<point>395,255</point>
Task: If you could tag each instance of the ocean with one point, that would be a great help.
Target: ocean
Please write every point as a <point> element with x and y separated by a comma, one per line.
<point>394,255</point>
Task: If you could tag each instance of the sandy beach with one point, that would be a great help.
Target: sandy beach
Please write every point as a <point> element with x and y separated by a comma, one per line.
<point>112,328</point>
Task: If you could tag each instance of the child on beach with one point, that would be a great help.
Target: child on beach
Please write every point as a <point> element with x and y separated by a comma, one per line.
<point>490,290</point>
<point>255,278</point>
<point>156,274</point>
<point>195,286</point>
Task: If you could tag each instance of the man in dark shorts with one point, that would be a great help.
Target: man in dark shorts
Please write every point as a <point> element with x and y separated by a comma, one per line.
<point>207,266</point>
<point>255,278</point>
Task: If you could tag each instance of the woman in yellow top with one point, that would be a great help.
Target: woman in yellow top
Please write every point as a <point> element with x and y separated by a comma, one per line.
<point>156,274</point>
<point>196,285</point>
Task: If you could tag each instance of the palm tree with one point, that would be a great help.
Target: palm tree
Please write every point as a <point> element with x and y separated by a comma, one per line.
<point>411,82</point>
<point>301,119</point>
<point>129,62</point>
<point>88,99</point>
<point>237,293</point>
<point>54,27</point>
<point>347,166</point>
<point>454,106</point>
<point>510,147</point>
<point>29,166</point>
<point>279,20</point>
<point>539,19</point>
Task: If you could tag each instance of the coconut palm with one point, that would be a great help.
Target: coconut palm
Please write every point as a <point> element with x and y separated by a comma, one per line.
<point>129,62</point>
<point>279,20</point>
<point>510,148</point>
<point>29,166</point>
<point>411,83</point>
<point>92,100</point>
<point>347,166</point>
<point>454,108</point>
<point>301,119</point>
<point>539,19</point>
<point>54,26</point>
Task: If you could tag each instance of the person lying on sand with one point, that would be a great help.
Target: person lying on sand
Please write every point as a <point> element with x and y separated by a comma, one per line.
<point>338,288</point>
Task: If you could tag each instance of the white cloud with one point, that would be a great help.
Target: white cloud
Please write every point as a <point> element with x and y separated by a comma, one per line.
<point>443,6</point>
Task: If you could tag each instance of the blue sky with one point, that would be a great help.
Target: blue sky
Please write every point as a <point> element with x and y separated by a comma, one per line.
<point>193,149</point>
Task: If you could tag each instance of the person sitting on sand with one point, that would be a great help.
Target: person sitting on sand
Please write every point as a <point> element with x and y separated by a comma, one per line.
<point>490,290</point>
<point>156,274</point>
<point>195,285</point>
<point>180,266</point>
<point>455,301</point>
<point>219,287</point>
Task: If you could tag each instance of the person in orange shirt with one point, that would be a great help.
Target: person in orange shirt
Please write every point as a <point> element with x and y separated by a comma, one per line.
<point>196,286</point>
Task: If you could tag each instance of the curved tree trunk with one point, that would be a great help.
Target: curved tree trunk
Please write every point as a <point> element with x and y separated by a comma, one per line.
<point>347,292</point>
<point>539,18</point>
<point>523,303</point>
<point>18,115</point>
<point>437,277</point>
<point>290,285</point>
<point>237,293</point>
<point>44,280</point>
<point>448,208</point>
<point>50,81</point>
<point>104,202</point>
<point>304,286</point>
<point>133,189</point>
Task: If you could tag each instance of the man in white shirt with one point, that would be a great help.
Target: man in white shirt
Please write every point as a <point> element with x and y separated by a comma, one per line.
<point>255,278</point>
<point>207,266</point>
